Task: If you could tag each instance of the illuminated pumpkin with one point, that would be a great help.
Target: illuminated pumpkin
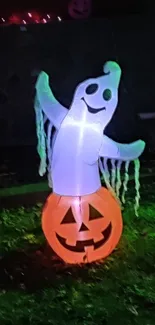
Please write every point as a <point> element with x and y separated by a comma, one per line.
<point>82,229</point>
<point>79,8</point>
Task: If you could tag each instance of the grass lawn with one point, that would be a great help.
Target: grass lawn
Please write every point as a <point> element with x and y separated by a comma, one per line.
<point>37,288</point>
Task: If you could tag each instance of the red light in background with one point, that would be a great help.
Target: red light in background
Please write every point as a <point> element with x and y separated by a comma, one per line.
<point>15,19</point>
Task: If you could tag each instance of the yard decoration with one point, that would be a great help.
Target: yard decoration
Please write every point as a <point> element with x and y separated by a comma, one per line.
<point>77,150</point>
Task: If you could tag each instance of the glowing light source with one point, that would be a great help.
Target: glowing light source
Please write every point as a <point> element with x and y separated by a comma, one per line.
<point>28,17</point>
<point>83,232</point>
<point>74,168</point>
<point>59,18</point>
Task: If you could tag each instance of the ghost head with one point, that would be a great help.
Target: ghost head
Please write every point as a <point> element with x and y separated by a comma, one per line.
<point>99,96</point>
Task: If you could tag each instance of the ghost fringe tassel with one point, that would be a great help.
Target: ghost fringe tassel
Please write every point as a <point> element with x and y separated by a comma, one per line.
<point>106,176</point>
<point>137,185</point>
<point>114,183</point>
<point>125,182</point>
<point>118,177</point>
<point>44,141</point>
<point>41,135</point>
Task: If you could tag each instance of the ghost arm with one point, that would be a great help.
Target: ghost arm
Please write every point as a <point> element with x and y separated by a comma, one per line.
<point>54,111</point>
<point>114,150</point>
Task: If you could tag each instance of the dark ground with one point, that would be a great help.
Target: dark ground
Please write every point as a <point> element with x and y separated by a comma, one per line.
<point>37,287</point>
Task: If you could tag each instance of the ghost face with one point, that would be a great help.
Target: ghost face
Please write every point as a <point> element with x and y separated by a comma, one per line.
<point>100,95</point>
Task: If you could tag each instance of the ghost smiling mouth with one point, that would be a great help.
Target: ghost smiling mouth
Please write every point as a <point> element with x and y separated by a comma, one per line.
<point>93,110</point>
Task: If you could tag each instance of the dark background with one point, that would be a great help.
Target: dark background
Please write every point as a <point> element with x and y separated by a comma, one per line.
<point>72,51</point>
<point>101,8</point>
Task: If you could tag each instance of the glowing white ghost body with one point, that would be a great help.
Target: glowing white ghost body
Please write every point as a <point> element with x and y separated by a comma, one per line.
<point>79,140</point>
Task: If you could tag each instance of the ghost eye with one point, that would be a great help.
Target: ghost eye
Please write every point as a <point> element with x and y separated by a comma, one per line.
<point>91,89</point>
<point>107,94</point>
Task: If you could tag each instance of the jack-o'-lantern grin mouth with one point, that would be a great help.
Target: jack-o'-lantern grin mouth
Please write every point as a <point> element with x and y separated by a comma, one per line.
<point>81,245</point>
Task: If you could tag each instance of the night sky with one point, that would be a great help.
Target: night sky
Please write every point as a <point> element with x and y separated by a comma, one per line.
<point>100,7</point>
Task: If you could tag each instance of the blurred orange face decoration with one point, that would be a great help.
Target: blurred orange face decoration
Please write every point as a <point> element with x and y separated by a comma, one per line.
<point>79,9</point>
<point>82,229</point>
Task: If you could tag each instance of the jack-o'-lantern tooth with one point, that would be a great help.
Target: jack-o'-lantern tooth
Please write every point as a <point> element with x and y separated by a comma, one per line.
<point>98,238</point>
<point>71,241</point>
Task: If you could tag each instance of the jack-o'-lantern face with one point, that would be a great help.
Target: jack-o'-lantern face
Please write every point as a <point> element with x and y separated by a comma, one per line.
<point>82,229</point>
<point>84,237</point>
<point>79,8</point>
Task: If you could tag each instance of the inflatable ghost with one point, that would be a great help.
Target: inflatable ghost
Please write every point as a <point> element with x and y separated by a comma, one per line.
<point>76,150</point>
<point>79,140</point>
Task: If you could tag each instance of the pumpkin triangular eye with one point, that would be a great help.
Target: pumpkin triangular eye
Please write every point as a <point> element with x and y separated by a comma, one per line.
<point>68,218</point>
<point>94,214</point>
